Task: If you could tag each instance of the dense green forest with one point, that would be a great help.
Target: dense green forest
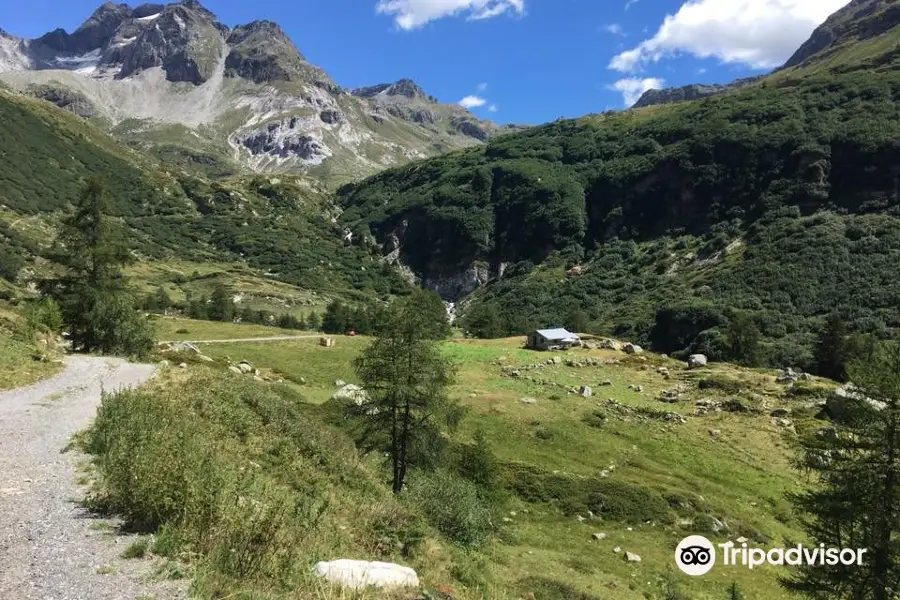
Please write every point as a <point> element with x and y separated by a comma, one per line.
<point>779,200</point>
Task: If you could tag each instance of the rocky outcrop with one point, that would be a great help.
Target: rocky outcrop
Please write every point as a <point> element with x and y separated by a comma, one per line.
<point>470,127</point>
<point>65,98</point>
<point>283,139</point>
<point>186,43</point>
<point>859,20</point>
<point>690,92</point>
<point>451,287</point>
<point>406,88</point>
<point>262,52</point>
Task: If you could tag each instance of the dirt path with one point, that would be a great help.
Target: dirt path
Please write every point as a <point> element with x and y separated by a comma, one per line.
<point>50,549</point>
<point>274,338</point>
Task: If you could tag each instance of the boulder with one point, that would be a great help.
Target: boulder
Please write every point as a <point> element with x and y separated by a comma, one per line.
<point>182,366</point>
<point>205,358</point>
<point>599,536</point>
<point>351,392</point>
<point>528,401</point>
<point>586,391</point>
<point>234,369</point>
<point>339,383</point>
<point>184,347</point>
<point>608,344</point>
<point>630,348</point>
<point>632,557</point>
<point>245,367</point>
<point>697,360</point>
<point>357,574</point>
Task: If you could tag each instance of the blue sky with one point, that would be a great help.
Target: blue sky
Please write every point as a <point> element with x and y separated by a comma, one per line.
<point>520,61</point>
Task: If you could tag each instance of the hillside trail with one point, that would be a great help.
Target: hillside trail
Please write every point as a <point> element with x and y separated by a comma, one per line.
<point>50,547</point>
<point>272,338</point>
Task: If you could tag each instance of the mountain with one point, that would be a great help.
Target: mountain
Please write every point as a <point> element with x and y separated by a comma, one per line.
<point>173,80</point>
<point>276,241</point>
<point>692,91</point>
<point>852,37</point>
<point>779,198</point>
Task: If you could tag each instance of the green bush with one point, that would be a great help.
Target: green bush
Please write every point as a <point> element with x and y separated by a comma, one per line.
<point>453,506</point>
<point>44,315</point>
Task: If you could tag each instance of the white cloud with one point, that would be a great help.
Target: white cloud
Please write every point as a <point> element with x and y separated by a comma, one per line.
<point>493,108</point>
<point>614,29</point>
<point>411,14</point>
<point>758,33</point>
<point>482,87</point>
<point>472,101</point>
<point>630,3</point>
<point>633,88</point>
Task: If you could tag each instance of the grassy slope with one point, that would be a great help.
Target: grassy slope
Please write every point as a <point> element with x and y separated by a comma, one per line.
<point>742,473</point>
<point>17,367</point>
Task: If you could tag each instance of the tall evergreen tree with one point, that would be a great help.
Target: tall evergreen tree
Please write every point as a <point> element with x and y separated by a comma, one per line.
<point>854,501</point>
<point>406,378</point>
<point>221,304</point>
<point>96,304</point>
<point>832,349</point>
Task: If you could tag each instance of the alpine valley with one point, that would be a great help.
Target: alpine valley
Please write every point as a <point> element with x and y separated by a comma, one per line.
<point>232,158</point>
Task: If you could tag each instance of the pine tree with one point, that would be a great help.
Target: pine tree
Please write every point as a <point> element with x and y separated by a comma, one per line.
<point>734,593</point>
<point>406,378</point>
<point>97,307</point>
<point>221,305</point>
<point>854,501</point>
<point>832,347</point>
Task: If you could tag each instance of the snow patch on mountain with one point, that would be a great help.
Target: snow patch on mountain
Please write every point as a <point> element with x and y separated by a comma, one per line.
<point>149,18</point>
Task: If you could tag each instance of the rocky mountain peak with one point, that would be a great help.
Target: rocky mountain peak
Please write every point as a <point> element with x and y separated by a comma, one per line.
<point>403,88</point>
<point>262,52</point>
<point>406,87</point>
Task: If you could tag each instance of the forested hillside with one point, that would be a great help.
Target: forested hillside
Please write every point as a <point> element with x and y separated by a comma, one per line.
<point>281,227</point>
<point>778,199</point>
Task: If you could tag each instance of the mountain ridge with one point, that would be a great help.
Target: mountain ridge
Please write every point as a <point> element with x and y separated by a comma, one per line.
<point>253,101</point>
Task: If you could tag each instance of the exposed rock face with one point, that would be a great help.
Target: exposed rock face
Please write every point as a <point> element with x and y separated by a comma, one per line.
<point>451,287</point>
<point>470,127</point>
<point>186,43</point>
<point>406,88</point>
<point>860,20</point>
<point>64,98</point>
<point>262,52</point>
<point>690,92</point>
<point>282,139</point>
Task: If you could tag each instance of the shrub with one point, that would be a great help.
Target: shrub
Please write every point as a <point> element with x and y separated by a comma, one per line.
<point>453,506</point>
<point>595,418</point>
<point>44,315</point>
<point>724,384</point>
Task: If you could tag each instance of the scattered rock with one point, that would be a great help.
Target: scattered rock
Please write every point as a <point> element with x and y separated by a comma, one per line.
<point>234,369</point>
<point>580,519</point>
<point>697,360</point>
<point>245,367</point>
<point>780,412</point>
<point>183,347</point>
<point>586,391</point>
<point>351,392</point>
<point>599,536</point>
<point>528,400</point>
<point>339,383</point>
<point>608,344</point>
<point>358,574</point>
<point>630,348</point>
<point>182,366</point>
<point>715,432</point>
<point>204,358</point>
<point>632,557</point>
<point>164,363</point>
<point>617,549</point>
<point>742,540</point>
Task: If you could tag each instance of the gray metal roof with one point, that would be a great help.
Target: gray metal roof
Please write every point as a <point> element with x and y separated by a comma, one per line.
<point>557,334</point>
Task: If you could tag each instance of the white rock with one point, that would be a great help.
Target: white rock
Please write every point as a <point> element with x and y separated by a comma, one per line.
<point>630,348</point>
<point>528,401</point>
<point>697,360</point>
<point>245,367</point>
<point>632,557</point>
<point>234,369</point>
<point>600,536</point>
<point>360,573</point>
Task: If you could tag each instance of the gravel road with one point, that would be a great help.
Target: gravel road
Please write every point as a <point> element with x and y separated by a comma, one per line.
<point>51,549</point>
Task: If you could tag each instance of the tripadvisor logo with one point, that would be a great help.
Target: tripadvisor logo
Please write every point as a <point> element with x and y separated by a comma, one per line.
<point>696,555</point>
